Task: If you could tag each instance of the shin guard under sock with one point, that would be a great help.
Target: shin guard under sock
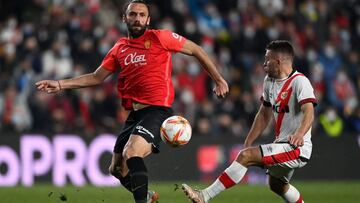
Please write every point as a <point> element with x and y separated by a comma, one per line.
<point>139,178</point>
<point>126,182</point>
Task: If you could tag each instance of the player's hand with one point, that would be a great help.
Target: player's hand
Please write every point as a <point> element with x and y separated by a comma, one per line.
<point>221,89</point>
<point>296,140</point>
<point>49,86</point>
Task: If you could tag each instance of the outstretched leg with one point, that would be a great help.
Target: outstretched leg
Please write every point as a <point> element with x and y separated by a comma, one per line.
<point>288,192</point>
<point>230,177</point>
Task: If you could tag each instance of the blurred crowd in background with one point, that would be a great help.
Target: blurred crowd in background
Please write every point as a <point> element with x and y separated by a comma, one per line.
<point>56,39</point>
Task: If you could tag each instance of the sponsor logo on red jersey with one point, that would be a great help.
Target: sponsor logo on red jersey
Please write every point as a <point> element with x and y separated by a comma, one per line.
<point>134,58</point>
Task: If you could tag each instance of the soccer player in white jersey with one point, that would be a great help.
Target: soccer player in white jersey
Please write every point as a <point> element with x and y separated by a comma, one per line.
<point>289,97</point>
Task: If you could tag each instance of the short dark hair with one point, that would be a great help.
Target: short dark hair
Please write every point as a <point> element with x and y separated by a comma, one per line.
<point>281,46</point>
<point>136,2</point>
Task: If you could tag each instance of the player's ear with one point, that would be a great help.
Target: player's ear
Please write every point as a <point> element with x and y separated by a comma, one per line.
<point>124,18</point>
<point>148,21</point>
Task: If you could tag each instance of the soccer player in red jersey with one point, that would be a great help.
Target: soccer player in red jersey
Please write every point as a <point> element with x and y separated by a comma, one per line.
<point>145,88</point>
<point>288,97</point>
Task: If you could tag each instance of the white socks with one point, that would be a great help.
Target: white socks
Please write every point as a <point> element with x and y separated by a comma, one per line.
<point>230,177</point>
<point>233,175</point>
<point>292,195</point>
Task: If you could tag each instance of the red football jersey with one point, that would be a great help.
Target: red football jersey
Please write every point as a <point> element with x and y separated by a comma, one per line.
<point>145,66</point>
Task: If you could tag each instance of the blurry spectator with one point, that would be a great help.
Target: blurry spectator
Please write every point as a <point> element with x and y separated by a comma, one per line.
<point>62,113</point>
<point>102,111</point>
<point>85,55</point>
<point>240,127</point>
<point>234,23</point>
<point>318,82</point>
<point>343,95</point>
<point>331,122</point>
<point>57,62</point>
<point>31,53</point>
<point>249,105</point>
<point>308,10</point>
<point>191,30</point>
<point>193,79</point>
<point>352,67</point>
<point>271,7</point>
<point>321,24</point>
<point>14,112</point>
<point>210,21</point>
<point>167,24</point>
<point>331,60</point>
<point>309,38</point>
<point>205,118</point>
<point>257,78</point>
<point>38,105</point>
<point>85,120</point>
<point>203,127</point>
<point>225,124</point>
<point>23,75</point>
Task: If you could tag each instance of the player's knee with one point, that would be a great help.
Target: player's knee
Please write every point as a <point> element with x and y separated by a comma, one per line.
<point>244,157</point>
<point>129,152</point>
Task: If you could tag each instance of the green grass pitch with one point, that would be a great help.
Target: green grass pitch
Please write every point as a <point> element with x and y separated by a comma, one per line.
<point>313,192</point>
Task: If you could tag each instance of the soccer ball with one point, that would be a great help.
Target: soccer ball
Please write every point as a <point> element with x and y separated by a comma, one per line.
<point>175,131</point>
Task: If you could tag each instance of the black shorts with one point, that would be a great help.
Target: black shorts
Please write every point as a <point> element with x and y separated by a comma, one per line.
<point>145,122</point>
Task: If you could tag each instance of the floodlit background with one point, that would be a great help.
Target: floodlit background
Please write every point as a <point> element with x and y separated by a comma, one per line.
<point>66,139</point>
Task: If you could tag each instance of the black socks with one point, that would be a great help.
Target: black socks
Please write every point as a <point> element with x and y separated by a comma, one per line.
<point>138,178</point>
<point>126,182</point>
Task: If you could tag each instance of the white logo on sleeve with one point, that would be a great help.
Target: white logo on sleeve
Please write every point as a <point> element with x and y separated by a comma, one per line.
<point>123,50</point>
<point>176,36</point>
<point>143,130</point>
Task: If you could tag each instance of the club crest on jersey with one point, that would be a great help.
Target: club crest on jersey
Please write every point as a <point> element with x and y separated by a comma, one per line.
<point>284,95</point>
<point>147,44</point>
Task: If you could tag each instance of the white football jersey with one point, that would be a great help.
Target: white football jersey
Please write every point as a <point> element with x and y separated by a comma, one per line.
<point>285,96</point>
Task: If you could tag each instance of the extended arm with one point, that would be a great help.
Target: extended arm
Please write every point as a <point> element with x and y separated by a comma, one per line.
<point>308,117</point>
<point>261,121</point>
<point>192,49</point>
<point>91,79</point>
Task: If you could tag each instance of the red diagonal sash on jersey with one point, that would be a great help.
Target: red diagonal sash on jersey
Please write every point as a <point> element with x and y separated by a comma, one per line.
<point>284,98</point>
